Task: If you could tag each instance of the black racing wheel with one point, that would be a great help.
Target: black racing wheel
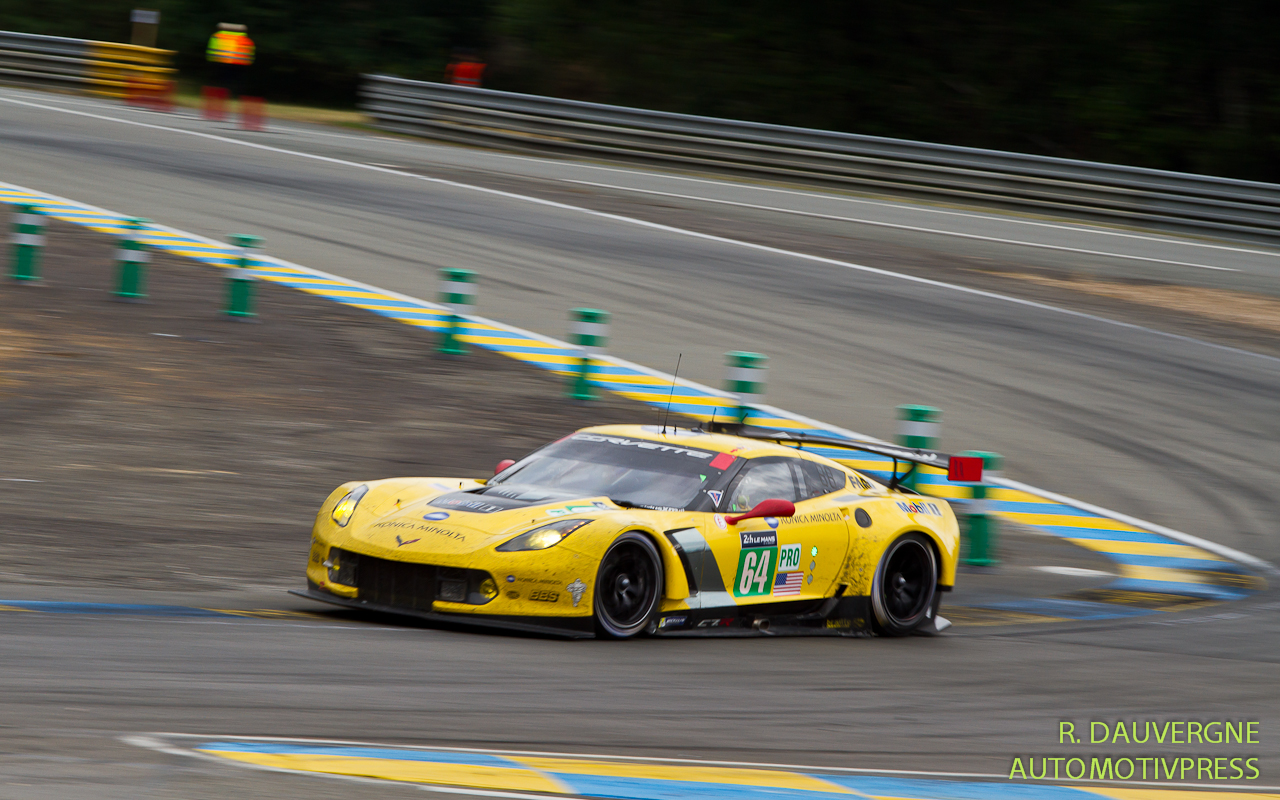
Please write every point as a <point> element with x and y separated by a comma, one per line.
<point>904,586</point>
<point>628,586</point>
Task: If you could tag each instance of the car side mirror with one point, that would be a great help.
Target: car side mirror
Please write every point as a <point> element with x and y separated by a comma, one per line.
<point>766,508</point>
<point>503,464</point>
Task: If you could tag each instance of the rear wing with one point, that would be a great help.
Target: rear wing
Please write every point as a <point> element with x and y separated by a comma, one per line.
<point>960,469</point>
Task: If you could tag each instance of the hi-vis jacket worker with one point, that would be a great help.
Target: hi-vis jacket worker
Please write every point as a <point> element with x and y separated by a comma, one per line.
<point>231,45</point>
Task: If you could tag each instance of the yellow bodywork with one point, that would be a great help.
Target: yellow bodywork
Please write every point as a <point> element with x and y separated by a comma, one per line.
<point>838,555</point>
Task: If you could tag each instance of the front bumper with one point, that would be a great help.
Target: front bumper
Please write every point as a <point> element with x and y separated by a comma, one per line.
<point>564,627</point>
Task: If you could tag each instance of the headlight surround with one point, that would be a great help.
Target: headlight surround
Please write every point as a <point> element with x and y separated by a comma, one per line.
<point>347,505</point>
<point>543,537</point>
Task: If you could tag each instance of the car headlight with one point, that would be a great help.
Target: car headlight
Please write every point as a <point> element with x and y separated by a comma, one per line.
<point>347,505</point>
<point>544,537</point>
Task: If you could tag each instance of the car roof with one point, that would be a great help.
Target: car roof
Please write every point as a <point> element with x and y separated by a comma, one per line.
<point>716,442</point>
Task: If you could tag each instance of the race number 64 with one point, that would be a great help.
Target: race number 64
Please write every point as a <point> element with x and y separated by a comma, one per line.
<point>755,572</point>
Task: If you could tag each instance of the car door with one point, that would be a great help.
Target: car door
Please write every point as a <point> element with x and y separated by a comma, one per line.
<point>821,525</point>
<point>783,559</point>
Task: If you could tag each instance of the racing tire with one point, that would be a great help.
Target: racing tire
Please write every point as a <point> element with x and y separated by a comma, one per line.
<point>628,587</point>
<point>904,586</point>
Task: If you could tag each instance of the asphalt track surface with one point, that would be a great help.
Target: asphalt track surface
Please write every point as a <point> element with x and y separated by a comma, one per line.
<point>963,703</point>
<point>1179,432</point>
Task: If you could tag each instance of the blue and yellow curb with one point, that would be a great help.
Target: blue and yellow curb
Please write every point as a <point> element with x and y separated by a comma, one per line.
<point>1148,564</point>
<point>547,775</point>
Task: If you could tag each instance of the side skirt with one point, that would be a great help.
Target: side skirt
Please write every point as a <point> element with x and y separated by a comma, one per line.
<point>844,616</point>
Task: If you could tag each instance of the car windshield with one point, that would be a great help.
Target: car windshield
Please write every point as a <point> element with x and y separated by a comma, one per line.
<point>629,471</point>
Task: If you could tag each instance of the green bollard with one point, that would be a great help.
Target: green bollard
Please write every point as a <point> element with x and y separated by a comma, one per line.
<point>918,427</point>
<point>589,330</point>
<point>28,241</point>
<point>132,257</point>
<point>745,378</point>
<point>458,294</point>
<point>240,278</point>
<point>984,528</point>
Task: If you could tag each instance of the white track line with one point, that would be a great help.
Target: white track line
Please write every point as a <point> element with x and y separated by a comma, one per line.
<point>1173,240</point>
<point>901,227</point>
<point>658,227</point>
<point>928,209</point>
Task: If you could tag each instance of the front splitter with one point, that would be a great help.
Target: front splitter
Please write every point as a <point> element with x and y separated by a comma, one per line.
<point>573,628</point>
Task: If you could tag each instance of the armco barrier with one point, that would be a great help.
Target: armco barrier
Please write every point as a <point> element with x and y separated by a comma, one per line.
<point>1033,183</point>
<point>108,69</point>
<point>1151,561</point>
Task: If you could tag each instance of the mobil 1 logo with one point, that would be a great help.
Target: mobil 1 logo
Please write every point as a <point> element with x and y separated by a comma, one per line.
<point>756,563</point>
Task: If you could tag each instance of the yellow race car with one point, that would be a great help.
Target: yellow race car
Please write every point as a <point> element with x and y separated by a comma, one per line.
<point>624,529</point>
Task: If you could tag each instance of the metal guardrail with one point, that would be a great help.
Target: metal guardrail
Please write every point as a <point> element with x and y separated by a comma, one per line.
<point>1009,180</point>
<point>80,65</point>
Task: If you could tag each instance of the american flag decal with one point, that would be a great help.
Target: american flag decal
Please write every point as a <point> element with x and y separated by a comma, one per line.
<point>788,583</point>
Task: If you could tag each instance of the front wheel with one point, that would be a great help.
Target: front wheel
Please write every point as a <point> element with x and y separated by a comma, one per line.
<point>628,586</point>
<point>904,586</point>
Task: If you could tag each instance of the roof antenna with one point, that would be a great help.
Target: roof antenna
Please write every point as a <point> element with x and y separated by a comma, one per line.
<point>671,394</point>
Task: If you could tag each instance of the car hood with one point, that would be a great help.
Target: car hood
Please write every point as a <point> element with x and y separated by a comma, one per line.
<point>461,522</point>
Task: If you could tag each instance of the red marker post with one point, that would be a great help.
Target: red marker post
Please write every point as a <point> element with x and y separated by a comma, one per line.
<point>983,527</point>
<point>214,103</point>
<point>253,114</point>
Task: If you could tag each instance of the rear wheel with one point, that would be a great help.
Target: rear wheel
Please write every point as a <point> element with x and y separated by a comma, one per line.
<point>904,586</point>
<point>628,586</point>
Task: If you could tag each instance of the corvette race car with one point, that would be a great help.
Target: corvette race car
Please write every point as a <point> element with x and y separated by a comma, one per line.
<point>624,529</point>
